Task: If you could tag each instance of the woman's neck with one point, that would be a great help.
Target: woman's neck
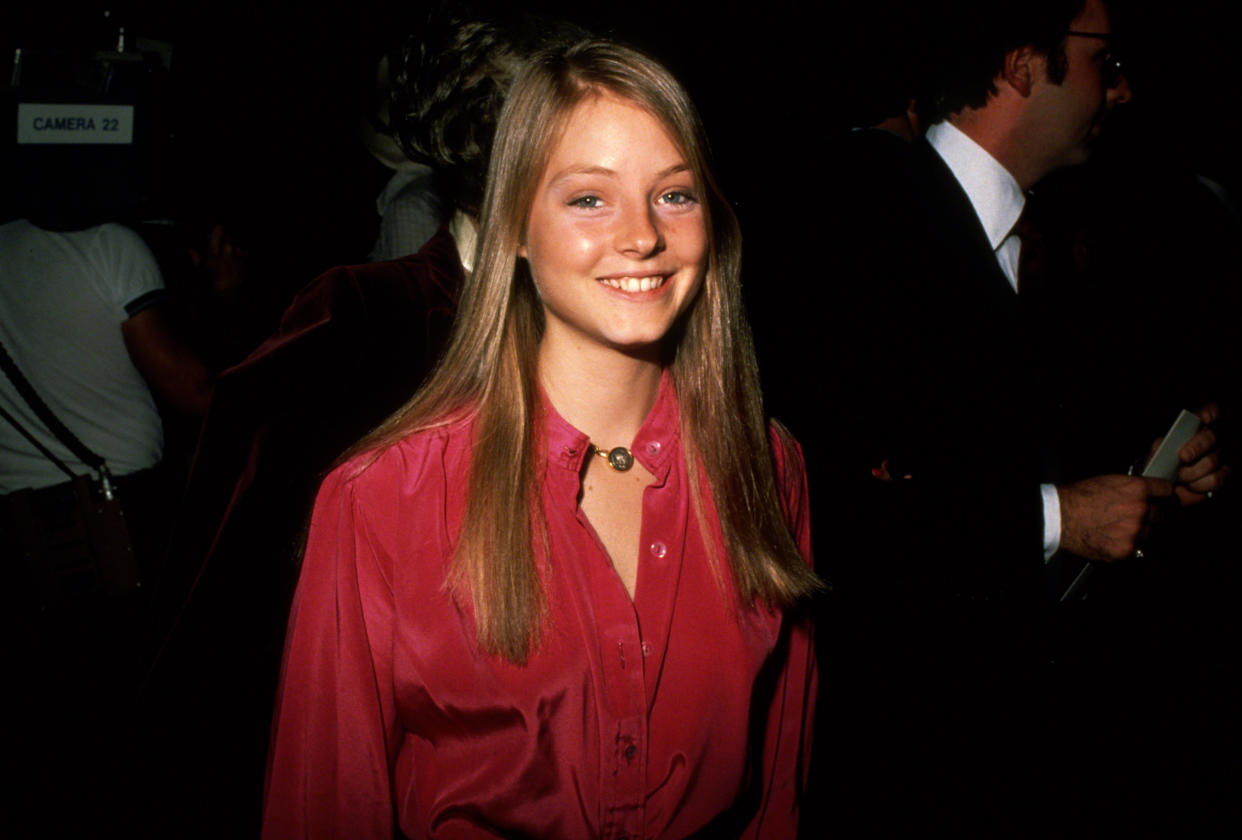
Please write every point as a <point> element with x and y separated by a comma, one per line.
<point>604,393</point>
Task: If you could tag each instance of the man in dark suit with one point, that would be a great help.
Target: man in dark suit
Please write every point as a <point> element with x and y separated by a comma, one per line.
<point>950,395</point>
<point>938,524</point>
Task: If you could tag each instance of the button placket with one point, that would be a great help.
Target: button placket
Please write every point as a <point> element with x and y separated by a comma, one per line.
<point>625,781</point>
<point>623,750</point>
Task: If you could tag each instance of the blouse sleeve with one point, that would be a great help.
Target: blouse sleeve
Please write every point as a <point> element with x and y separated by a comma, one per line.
<point>334,729</point>
<point>787,737</point>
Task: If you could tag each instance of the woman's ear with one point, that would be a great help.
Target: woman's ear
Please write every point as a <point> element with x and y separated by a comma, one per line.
<point>522,251</point>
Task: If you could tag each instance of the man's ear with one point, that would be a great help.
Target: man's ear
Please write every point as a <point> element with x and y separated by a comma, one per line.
<point>1022,68</point>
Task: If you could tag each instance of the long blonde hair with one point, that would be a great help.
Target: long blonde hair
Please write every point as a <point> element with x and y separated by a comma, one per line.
<point>489,366</point>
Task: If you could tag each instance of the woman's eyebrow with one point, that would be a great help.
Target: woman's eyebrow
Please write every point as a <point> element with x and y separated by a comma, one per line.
<point>681,166</point>
<point>582,169</point>
<point>585,169</point>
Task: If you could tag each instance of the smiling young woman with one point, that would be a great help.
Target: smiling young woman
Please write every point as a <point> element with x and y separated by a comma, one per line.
<point>497,633</point>
<point>616,240</point>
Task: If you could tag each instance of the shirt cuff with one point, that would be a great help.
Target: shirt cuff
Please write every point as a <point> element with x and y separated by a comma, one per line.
<point>1052,520</point>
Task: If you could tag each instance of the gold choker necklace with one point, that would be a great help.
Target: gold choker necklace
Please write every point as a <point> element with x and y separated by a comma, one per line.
<point>619,458</point>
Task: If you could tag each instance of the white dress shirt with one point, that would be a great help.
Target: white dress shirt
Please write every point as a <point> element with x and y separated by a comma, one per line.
<point>998,201</point>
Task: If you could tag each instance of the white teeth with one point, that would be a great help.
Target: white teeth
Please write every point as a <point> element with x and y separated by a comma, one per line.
<point>634,284</point>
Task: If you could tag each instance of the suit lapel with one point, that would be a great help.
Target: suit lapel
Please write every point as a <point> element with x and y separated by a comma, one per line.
<point>959,235</point>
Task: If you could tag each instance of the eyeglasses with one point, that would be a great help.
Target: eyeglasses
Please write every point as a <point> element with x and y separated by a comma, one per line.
<point>1111,68</point>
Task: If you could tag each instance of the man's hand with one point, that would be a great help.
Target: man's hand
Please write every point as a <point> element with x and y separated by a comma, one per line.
<point>1104,518</point>
<point>224,262</point>
<point>1202,471</point>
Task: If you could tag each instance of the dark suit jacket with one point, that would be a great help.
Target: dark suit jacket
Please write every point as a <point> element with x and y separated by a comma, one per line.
<point>931,363</point>
<point>932,640</point>
<point>942,704</point>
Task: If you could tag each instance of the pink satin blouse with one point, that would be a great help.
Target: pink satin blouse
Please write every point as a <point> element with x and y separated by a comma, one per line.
<point>652,718</point>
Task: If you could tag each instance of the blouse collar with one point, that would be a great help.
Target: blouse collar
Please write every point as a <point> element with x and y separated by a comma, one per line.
<point>653,446</point>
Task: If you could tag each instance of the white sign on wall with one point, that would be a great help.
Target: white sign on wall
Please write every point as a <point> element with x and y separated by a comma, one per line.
<point>39,123</point>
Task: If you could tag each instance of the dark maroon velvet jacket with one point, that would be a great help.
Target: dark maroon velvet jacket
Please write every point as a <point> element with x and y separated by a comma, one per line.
<point>352,347</point>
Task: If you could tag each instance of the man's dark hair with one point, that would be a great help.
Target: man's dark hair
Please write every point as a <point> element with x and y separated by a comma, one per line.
<point>974,38</point>
<point>449,81</point>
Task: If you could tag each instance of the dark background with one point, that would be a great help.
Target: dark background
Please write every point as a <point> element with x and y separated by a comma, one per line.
<point>257,122</point>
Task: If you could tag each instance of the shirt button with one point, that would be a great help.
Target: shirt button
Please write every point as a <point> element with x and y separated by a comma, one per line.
<point>658,549</point>
<point>653,448</point>
<point>647,648</point>
<point>630,752</point>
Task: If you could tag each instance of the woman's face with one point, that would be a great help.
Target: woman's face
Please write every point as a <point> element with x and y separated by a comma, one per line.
<point>615,238</point>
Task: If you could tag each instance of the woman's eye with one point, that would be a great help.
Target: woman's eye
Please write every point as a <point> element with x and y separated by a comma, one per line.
<point>588,201</point>
<point>676,197</point>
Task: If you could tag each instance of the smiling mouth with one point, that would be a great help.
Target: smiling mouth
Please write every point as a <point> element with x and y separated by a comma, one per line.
<point>634,284</point>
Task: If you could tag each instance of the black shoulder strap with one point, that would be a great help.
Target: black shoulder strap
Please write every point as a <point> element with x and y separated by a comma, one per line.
<point>57,428</point>
<point>47,453</point>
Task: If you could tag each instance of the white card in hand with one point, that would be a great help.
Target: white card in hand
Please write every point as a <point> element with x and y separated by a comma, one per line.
<point>1164,462</point>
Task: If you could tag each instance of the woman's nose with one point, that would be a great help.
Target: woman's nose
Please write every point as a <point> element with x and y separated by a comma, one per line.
<point>638,232</point>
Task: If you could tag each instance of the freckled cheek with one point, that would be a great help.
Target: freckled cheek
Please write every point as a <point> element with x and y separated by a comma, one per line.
<point>566,250</point>
<point>582,243</point>
<point>690,240</point>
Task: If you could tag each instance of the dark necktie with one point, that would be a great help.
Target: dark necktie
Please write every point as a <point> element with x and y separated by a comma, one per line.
<point>1031,268</point>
